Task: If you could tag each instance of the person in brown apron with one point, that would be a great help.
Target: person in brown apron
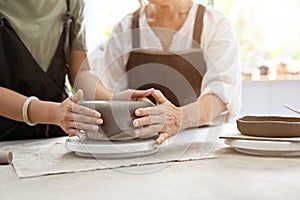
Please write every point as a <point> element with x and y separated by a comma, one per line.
<point>21,77</point>
<point>176,76</point>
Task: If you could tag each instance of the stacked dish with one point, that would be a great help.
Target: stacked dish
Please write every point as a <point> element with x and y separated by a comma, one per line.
<point>266,135</point>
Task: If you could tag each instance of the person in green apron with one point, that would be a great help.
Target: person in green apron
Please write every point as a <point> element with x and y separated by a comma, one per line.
<point>187,52</point>
<point>42,41</point>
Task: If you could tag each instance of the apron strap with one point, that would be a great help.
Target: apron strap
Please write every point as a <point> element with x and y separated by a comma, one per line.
<point>135,29</point>
<point>68,26</point>
<point>59,65</point>
<point>68,5</point>
<point>198,26</point>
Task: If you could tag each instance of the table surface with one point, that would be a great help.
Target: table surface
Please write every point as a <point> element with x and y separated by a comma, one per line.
<point>230,176</point>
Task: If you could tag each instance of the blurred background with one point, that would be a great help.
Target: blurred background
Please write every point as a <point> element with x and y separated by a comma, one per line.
<point>268,31</point>
<point>269,36</point>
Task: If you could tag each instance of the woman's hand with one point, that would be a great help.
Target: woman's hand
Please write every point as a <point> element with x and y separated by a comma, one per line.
<point>165,118</point>
<point>133,95</point>
<point>75,119</point>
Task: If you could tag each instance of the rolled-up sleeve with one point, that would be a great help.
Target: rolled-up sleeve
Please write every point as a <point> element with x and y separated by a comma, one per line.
<point>223,75</point>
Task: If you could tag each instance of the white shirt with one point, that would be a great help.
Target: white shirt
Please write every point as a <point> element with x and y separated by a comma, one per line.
<point>218,42</point>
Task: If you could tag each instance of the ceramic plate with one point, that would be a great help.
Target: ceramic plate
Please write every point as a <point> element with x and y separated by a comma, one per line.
<point>269,126</point>
<point>109,149</point>
<point>266,148</point>
<point>268,153</point>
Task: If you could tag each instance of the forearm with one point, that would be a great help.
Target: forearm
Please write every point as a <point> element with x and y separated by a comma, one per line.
<point>202,112</point>
<point>81,77</point>
<point>43,112</point>
<point>102,93</point>
<point>92,86</point>
<point>12,103</point>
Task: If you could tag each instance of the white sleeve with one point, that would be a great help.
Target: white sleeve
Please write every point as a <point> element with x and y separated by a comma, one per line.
<point>115,56</point>
<point>223,76</point>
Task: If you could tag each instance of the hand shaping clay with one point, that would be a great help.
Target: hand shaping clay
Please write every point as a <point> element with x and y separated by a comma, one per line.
<point>117,118</point>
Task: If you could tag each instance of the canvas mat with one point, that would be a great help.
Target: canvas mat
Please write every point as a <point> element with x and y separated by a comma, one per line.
<point>48,156</point>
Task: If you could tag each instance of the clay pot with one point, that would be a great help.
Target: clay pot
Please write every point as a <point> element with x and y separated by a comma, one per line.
<point>117,118</point>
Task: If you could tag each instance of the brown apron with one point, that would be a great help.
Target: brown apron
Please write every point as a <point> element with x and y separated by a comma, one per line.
<point>20,72</point>
<point>177,74</point>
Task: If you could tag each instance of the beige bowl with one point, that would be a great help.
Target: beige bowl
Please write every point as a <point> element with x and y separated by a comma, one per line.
<point>117,118</point>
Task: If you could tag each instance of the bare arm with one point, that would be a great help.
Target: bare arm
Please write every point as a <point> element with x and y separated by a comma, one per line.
<point>60,114</point>
<point>44,112</point>
<point>12,103</point>
<point>207,110</point>
<point>81,77</point>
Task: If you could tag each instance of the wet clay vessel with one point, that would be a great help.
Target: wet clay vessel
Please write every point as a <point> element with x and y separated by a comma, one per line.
<point>117,118</point>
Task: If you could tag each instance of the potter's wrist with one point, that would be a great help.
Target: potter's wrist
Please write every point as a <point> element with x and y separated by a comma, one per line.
<point>190,116</point>
<point>51,113</point>
<point>180,121</point>
<point>185,121</point>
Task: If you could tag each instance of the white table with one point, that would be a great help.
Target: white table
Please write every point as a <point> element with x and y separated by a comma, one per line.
<point>231,176</point>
